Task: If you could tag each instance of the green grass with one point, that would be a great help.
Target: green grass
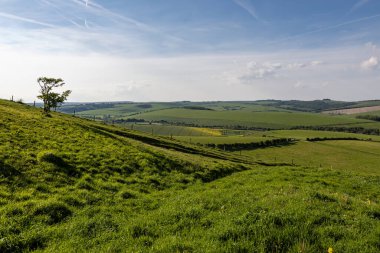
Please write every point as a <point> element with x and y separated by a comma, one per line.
<point>304,134</point>
<point>367,125</point>
<point>354,156</point>
<point>115,110</point>
<point>222,139</point>
<point>273,120</point>
<point>281,209</point>
<point>258,136</point>
<point>374,113</point>
<point>74,185</point>
<point>168,130</point>
<point>367,103</point>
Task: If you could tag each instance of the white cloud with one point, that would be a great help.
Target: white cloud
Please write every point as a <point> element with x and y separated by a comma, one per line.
<point>371,63</point>
<point>101,77</point>
<point>272,69</point>
<point>260,71</point>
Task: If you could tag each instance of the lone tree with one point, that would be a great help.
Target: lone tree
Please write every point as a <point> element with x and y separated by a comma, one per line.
<point>51,99</point>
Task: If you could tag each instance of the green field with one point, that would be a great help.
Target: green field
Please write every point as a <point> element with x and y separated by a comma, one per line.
<point>74,185</point>
<point>367,125</point>
<point>222,139</point>
<point>116,110</point>
<point>167,130</point>
<point>304,134</point>
<point>244,118</point>
<point>124,108</point>
<point>267,114</point>
<point>375,113</point>
<point>353,156</point>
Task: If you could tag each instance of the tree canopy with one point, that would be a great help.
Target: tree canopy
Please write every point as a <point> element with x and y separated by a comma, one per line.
<point>50,98</point>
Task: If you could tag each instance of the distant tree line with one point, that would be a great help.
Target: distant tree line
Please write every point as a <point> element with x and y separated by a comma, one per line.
<point>313,106</point>
<point>131,120</point>
<point>253,145</point>
<point>201,108</point>
<point>333,139</point>
<point>355,130</point>
<point>369,117</point>
<point>144,106</point>
<point>86,107</point>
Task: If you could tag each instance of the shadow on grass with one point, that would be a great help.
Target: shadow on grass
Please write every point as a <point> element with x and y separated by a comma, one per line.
<point>57,161</point>
<point>7,170</point>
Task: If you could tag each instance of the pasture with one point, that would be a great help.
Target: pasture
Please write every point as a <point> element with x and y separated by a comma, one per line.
<point>247,119</point>
<point>222,139</point>
<point>361,157</point>
<point>168,130</point>
<point>304,134</point>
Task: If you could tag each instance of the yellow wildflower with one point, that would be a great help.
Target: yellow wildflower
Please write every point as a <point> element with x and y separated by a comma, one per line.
<point>330,250</point>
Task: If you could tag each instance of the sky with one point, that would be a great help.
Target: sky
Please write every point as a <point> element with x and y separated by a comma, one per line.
<point>198,50</point>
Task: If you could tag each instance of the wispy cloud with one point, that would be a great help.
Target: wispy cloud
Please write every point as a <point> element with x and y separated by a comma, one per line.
<point>358,5</point>
<point>25,19</point>
<point>326,28</point>
<point>81,26</point>
<point>98,45</point>
<point>102,11</point>
<point>249,7</point>
<point>120,19</point>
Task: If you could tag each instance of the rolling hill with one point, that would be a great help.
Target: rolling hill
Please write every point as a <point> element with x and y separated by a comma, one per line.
<point>69,184</point>
<point>267,114</point>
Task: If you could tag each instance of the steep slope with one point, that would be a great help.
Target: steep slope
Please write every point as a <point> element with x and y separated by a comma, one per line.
<point>51,167</point>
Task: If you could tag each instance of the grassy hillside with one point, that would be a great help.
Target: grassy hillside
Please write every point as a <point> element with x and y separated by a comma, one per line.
<point>74,185</point>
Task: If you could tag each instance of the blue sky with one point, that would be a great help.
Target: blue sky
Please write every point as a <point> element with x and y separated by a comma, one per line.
<point>167,50</point>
